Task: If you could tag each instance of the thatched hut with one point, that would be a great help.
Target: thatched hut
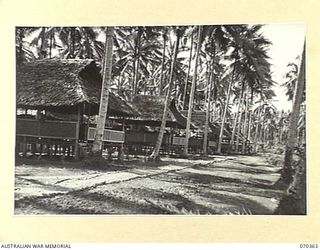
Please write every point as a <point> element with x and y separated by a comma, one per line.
<point>70,90</point>
<point>151,108</point>
<point>144,128</point>
<point>198,118</point>
<point>63,86</point>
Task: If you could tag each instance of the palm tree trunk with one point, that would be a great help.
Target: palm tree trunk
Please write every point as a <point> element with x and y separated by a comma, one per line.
<point>50,46</point>
<point>225,114</point>
<point>72,42</point>
<point>104,100</point>
<point>256,134</point>
<point>156,150</point>
<point>250,117</point>
<point>249,125</point>
<point>210,81</point>
<point>42,45</point>
<point>262,130</point>
<point>292,136</point>
<point>281,134</point>
<point>136,76</point>
<point>194,79</point>
<point>239,124</point>
<point>236,122</point>
<point>206,126</point>
<point>265,133</point>
<point>187,76</point>
<point>137,61</point>
<point>20,58</point>
<point>244,143</point>
<point>162,64</point>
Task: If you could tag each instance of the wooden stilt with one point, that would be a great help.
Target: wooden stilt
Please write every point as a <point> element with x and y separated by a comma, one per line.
<point>55,149</point>
<point>17,146</point>
<point>120,147</point>
<point>89,115</point>
<point>76,145</point>
<point>51,149</point>
<point>63,150</point>
<point>48,148</point>
<point>24,146</point>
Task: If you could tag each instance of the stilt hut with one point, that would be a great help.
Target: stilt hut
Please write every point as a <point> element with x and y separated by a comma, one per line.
<point>142,131</point>
<point>56,103</point>
<point>198,118</point>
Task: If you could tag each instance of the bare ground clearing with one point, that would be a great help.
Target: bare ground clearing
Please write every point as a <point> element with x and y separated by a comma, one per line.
<point>217,185</point>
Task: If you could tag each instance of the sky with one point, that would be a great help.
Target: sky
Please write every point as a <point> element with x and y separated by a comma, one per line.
<point>287,43</point>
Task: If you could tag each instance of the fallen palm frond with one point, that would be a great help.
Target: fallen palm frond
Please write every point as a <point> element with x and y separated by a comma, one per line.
<point>242,211</point>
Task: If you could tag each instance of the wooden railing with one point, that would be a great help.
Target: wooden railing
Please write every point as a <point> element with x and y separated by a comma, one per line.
<point>61,130</point>
<point>47,129</point>
<point>108,135</point>
<point>179,141</point>
<point>144,138</point>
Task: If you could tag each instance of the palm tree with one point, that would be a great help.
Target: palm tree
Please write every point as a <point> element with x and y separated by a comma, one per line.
<point>138,54</point>
<point>237,118</point>
<point>245,124</point>
<point>24,51</point>
<point>194,79</point>
<point>67,42</point>
<point>210,80</point>
<point>106,81</point>
<point>80,42</point>
<point>292,136</point>
<point>253,67</point>
<point>165,38</point>
<point>225,112</point>
<point>291,79</point>
<point>236,43</point>
<point>216,47</point>
<point>256,134</point>
<point>155,153</point>
<point>188,71</point>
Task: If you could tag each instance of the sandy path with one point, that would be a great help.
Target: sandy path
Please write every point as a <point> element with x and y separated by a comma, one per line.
<point>220,185</point>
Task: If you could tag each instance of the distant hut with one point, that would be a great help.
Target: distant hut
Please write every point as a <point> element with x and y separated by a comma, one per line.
<point>143,130</point>
<point>151,108</point>
<point>63,95</point>
<point>198,118</point>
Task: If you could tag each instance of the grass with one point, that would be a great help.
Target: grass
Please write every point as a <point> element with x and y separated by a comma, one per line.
<point>171,209</point>
<point>242,211</point>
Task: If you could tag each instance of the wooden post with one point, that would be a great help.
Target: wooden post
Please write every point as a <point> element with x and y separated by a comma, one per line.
<point>55,149</point>
<point>88,121</point>
<point>76,145</point>
<point>120,148</point>
<point>170,140</point>
<point>41,150</point>
<point>17,147</point>
<point>24,146</point>
<point>33,148</point>
<point>50,148</point>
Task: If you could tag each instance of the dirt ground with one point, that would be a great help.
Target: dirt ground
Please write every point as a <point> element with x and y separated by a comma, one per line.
<point>218,185</point>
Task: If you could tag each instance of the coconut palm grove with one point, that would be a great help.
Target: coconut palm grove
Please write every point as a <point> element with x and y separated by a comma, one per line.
<point>157,120</point>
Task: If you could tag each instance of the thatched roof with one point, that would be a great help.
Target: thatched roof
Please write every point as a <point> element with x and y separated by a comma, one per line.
<point>151,107</point>
<point>215,130</point>
<point>198,118</point>
<point>63,84</point>
<point>151,111</point>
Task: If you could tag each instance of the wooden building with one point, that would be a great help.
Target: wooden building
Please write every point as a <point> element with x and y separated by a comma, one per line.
<point>56,101</point>
<point>142,131</point>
